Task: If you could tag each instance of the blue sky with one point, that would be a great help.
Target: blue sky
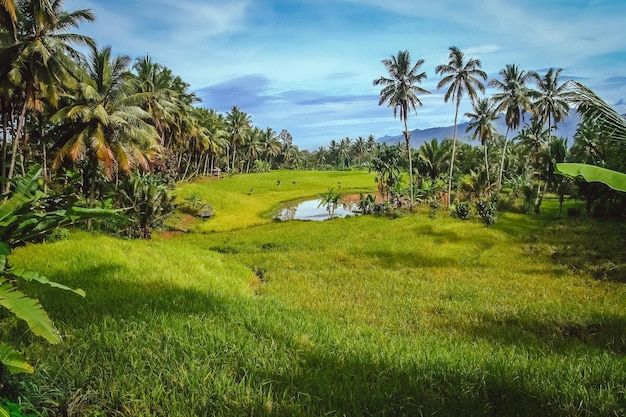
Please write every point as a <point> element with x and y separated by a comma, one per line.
<point>308,65</point>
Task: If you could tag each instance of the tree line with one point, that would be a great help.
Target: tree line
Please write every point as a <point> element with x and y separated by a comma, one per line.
<point>103,122</point>
<point>96,119</point>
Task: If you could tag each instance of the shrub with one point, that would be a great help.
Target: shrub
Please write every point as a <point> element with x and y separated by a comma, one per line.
<point>463,210</point>
<point>487,211</point>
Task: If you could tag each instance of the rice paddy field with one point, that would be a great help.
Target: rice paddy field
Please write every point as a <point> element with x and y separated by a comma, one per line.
<point>240,315</point>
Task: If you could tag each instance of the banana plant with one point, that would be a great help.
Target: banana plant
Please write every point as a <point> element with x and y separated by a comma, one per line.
<point>23,219</point>
<point>591,173</point>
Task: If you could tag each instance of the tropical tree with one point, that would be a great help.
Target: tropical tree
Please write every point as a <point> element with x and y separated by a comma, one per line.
<point>514,99</point>
<point>8,15</point>
<point>359,148</point>
<point>481,122</point>
<point>400,91</point>
<point>433,157</point>
<point>463,78</point>
<point>270,145</point>
<point>238,125</point>
<point>39,63</point>
<point>331,200</point>
<point>589,148</point>
<point>103,124</point>
<point>556,152</point>
<point>551,106</point>
<point>534,138</point>
<point>386,164</point>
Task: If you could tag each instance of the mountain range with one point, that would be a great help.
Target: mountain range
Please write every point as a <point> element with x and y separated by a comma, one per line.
<point>566,129</point>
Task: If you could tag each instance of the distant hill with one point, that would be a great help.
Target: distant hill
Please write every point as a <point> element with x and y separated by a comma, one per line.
<point>567,129</point>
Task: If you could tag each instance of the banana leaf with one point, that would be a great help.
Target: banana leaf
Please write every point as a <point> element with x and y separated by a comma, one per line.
<point>591,173</point>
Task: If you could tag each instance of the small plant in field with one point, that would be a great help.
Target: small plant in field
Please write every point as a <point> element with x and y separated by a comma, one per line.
<point>195,206</point>
<point>148,202</point>
<point>366,203</point>
<point>463,210</point>
<point>331,200</point>
<point>487,211</point>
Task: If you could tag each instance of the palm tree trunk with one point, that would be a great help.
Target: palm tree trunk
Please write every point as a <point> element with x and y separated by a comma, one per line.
<point>487,164</point>
<point>456,115</point>
<point>407,138</point>
<point>503,156</point>
<point>5,132</point>
<point>16,141</point>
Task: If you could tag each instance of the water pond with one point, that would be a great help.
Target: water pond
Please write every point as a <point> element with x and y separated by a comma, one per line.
<point>312,210</point>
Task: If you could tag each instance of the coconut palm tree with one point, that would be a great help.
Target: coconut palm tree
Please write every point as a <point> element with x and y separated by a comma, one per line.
<point>8,15</point>
<point>359,148</point>
<point>551,105</point>
<point>400,91</point>
<point>463,78</point>
<point>514,100</point>
<point>238,129</point>
<point>38,64</point>
<point>592,108</point>
<point>103,124</point>
<point>534,137</point>
<point>481,122</point>
<point>433,156</point>
<point>270,145</point>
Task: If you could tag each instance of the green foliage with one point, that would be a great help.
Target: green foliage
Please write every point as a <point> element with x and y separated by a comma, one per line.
<point>331,200</point>
<point>147,201</point>
<point>10,409</point>
<point>463,210</point>
<point>366,203</point>
<point>486,209</point>
<point>352,317</point>
<point>22,220</point>
<point>261,166</point>
<point>195,206</point>
<point>591,173</point>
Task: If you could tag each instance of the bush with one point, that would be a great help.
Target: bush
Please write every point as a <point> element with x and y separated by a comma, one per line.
<point>463,210</point>
<point>487,211</point>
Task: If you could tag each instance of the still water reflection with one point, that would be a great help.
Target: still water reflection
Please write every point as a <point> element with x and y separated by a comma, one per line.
<point>311,210</point>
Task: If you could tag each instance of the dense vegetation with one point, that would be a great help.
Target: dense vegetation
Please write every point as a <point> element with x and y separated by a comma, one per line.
<point>358,316</point>
<point>229,312</point>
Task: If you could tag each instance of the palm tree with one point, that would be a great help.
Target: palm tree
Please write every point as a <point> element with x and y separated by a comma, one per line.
<point>38,64</point>
<point>463,77</point>
<point>400,92</point>
<point>386,164</point>
<point>253,147</point>
<point>103,124</point>
<point>433,156</point>
<point>238,128</point>
<point>359,148</point>
<point>8,14</point>
<point>556,153</point>
<point>535,138</point>
<point>514,100</point>
<point>588,147</point>
<point>481,122</point>
<point>270,144</point>
<point>592,108</point>
<point>345,149</point>
<point>551,105</point>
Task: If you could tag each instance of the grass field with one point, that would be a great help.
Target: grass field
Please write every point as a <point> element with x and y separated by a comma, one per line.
<point>361,316</point>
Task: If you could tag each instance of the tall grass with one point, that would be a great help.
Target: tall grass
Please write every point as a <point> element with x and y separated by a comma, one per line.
<point>358,316</point>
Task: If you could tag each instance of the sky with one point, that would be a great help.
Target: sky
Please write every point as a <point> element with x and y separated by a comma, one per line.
<point>308,65</point>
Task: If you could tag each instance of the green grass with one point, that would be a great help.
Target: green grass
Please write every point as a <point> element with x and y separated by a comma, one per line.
<point>358,316</point>
<point>249,200</point>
